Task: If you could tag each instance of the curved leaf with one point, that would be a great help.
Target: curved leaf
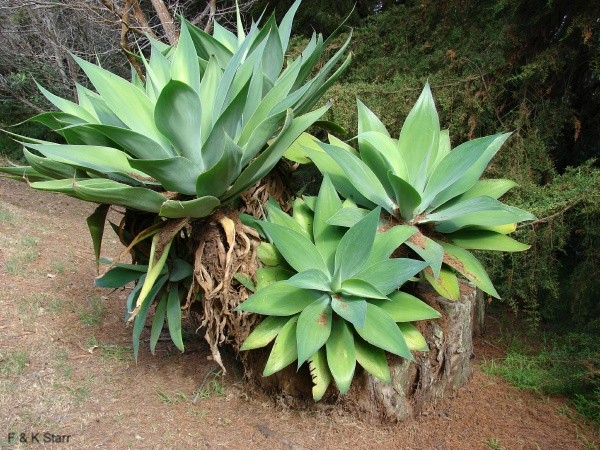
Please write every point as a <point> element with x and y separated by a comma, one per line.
<point>197,208</point>
<point>413,337</point>
<point>265,332</point>
<point>341,356</point>
<point>352,309</point>
<point>389,275</point>
<point>464,262</point>
<point>381,331</point>
<point>174,316</point>
<point>314,328</point>
<point>284,350</point>
<point>279,299</point>
<point>372,359</point>
<point>177,116</point>
<point>158,322</point>
<point>486,240</point>
<point>404,307</point>
<point>446,284</point>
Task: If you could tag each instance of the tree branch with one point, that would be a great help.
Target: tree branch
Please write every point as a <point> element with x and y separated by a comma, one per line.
<point>166,20</point>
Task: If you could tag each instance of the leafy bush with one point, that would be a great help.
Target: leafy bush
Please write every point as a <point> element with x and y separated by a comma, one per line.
<point>212,117</point>
<point>335,301</point>
<point>419,181</point>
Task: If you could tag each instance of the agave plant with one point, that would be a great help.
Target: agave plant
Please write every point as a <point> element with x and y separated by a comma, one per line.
<point>212,116</point>
<point>418,180</point>
<point>331,298</point>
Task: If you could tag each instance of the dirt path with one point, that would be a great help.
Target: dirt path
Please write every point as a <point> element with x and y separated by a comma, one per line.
<point>66,369</point>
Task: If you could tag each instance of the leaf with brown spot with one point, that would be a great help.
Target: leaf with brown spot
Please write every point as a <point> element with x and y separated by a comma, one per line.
<point>464,262</point>
<point>314,327</point>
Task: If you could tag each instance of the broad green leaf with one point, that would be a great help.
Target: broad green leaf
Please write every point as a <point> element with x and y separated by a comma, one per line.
<point>277,216</point>
<point>133,143</point>
<point>102,159</point>
<point>363,178</point>
<point>348,216</point>
<point>327,237</point>
<point>389,275</point>
<point>355,247</point>
<point>352,309</point>
<point>297,249</point>
<point>197,208</point>
<point>274,55</point>
<point>184,65</point>
<point>403,307</point>
<point>494,188</point>
<point>208,87</point>
<point>419,139</point>
<point>284,350</point>
<point>50,167</point>
<point>407,198</point>
<point>381,331</point>
<point>269,255</point>
<point>339,143</point>
<point>496,213</point>
<point>285,26</point>
<point>176,174</point>
<point>443,149</point>
<point>361,288</point>
<point>320,374</point>
<point>327,166</point>
<point>174,316</point>
<point>428,249</point>
<point>158,322</point>
<point>108,191</point>
<point>245,280</point>
<point>23,173</point>
<point>117,277</point>
<point>181,269</point>
<point>225,37</point>
<point>341,356</point>
<point>460,169</point>
<point>368,121</point>
<point>216,180</point>
<point>314,327</point>
<point>279,299</point>
<point>62,186</point>
<point>311,279</point>
<point>486,240</point>
<point>68,106</point>
<point>375,145</point>
<point>296,153</point>
<point>177,116</point>
<point>207,46</point>
<point>473,206</point>
<point>446,284</point>
<point>95,223</point>
<point>265,332</point>
<point>304,216</point>
<point>413,337</point>
<point>126,101</point>
<point>387,242</point>
<point>464,262</point>
<point>372,359</point>
<point>261,134</point>
<point>269,275</point>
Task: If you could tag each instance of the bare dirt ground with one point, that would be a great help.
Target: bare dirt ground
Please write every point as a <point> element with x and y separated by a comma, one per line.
<point>66,369</point>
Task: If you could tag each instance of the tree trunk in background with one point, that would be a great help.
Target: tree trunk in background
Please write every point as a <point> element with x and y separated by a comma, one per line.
<point>166,20</point>
<point>415,387</point>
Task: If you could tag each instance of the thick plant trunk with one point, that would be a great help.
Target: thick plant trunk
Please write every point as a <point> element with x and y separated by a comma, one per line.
<point>415,387</point>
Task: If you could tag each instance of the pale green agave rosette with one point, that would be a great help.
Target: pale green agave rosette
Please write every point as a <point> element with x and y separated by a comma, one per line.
<point>418,180</point>
<point>331,294</point>
<point>212,117</point>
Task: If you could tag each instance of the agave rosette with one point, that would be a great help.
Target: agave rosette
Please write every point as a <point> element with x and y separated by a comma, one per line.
<point>331,295</point>
<point>210,118</point>
<point>418,180</point>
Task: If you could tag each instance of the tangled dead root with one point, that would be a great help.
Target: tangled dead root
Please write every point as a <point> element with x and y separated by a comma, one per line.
<point>223,247</point>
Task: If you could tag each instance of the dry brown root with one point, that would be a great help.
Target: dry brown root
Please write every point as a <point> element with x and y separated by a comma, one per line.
<point>224,247</point>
